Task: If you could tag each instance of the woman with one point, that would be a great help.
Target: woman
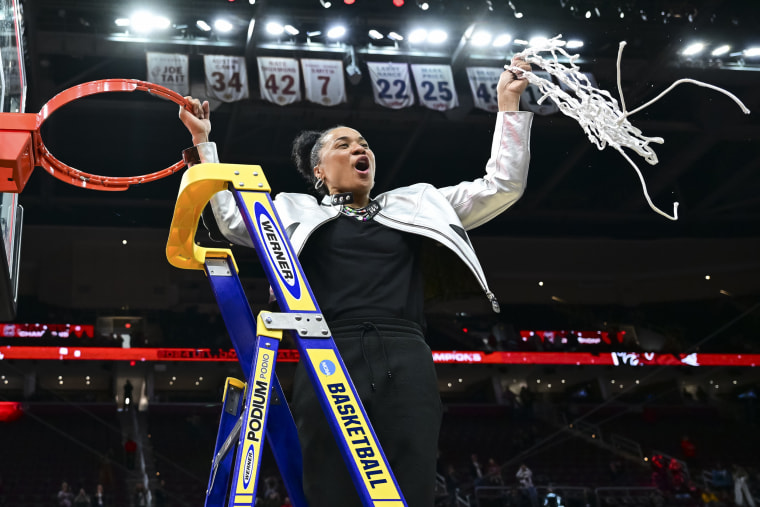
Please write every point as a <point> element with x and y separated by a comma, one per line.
<point>361,257</point>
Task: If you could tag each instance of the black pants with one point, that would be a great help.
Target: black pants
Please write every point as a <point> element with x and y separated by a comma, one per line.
<point>404,409</point>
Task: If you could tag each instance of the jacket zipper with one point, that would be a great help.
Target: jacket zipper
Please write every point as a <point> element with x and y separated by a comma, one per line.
<point>490,295</point>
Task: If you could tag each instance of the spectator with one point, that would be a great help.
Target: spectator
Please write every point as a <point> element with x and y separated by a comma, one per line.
<point>742,496</point>
<point>525,477</point>
<point>82,500</point>
<point>721,478</point>
<point>688,450</point>
<point>476,469</point>
<point>99,498</point>
<point>552,499</point>
<point>159,494</point>
<point>65,496</point>
<point>130,452</point>
<point>493,473</point>
<point>452,485</point>
<point>709,498</point>
<point>140,498</point>
<point>127,394</point>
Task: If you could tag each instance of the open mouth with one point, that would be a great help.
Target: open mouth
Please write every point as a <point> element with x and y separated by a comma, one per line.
<point>362,164</point>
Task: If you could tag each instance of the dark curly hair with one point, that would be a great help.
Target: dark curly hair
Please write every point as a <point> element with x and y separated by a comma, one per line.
<point>305,155</point>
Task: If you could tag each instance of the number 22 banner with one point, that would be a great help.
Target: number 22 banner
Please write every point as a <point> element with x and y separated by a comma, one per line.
<point>323,80</point>
<point>226,78</point>
<point>279,80</point>
<point>391,84</point>
<point>435,86</point>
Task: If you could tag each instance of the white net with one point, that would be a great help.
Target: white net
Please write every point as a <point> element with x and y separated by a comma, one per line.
<point>598,113</point>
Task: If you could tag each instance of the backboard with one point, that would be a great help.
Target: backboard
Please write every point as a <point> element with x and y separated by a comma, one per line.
<point>12,100</point>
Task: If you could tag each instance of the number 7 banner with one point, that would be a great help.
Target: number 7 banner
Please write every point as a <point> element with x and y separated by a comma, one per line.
<point>323,81</point>
<point>279,80</point>
<point>391,84</point>
<point>226,78</point>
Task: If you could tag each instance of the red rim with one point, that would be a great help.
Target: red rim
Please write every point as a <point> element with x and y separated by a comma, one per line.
<point>83,179</point>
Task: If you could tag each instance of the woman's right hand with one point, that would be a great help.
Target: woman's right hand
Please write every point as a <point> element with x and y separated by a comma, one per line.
<point>196,119</point>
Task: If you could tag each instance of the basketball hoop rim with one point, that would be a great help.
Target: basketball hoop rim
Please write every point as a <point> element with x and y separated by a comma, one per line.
<point>83,179</point>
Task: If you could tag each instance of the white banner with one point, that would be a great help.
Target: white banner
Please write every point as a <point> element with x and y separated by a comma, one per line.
<point>169,70</point>
<point>529,98</point>
<point>483,81</point>
<point>226,77</point>
<point>323,81</point>
<point>435,86</point>
<point>391,84</point>
<point>279,80</point>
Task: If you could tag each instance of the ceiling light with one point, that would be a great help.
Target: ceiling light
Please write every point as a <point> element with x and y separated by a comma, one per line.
<point>693,49</point>
<point>721,50</point>
<point>502,40</point>
<point>437,37</point>
<point>291,30</point>
<point>325,4</point>
<point>752,51</point>
<point>374,34</point>
<point>398,3</point>
<point>418,35</point>
<point>119,21</point>
<point>538,41</point>
<point>314,33</point>
<point>574,44</point>
<point>395,36</point>
<point>161,22</point>
<point>480,38</point>
<point>222,25</point>
<point>349,2</point>
<point>275,28</point>
<point>336,32</point>
<point>423,5</point>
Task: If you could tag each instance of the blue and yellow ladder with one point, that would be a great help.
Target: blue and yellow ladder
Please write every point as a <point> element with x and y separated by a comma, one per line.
<point>257,409</point>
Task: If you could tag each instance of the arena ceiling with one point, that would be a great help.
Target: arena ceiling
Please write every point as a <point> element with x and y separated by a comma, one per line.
<point>583,222</point>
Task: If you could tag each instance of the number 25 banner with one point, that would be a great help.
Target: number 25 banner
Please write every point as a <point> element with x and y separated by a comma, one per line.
<point>435,86</point>
<point>226,78</point>
<point>279,80</point>
<point>323,80</point>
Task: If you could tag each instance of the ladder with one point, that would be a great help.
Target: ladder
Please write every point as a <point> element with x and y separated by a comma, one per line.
<point>256,410</point>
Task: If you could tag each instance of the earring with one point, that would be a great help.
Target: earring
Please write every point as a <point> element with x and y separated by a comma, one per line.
<point>319,183</point>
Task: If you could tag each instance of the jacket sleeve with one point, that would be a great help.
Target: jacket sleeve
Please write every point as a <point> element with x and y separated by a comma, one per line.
<point>476,202</point>
<point>225,211</point>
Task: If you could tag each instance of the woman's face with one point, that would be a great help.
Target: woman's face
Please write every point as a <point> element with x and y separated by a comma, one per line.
<point>346,163</point>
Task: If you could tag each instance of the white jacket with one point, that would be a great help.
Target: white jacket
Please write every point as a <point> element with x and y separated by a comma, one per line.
<point>441,214</point>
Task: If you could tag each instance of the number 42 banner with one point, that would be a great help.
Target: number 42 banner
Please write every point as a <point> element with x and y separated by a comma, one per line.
<point>226,78</point>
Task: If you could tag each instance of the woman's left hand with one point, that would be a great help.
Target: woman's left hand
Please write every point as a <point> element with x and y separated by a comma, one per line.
<point>511,85</point>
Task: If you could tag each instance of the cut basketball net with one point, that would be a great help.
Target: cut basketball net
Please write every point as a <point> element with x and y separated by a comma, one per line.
<point>597,112</point>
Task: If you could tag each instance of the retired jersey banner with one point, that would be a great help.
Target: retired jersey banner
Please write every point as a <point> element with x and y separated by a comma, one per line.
<point>226,77</point>
<point>529,99</point>
<point>435,86</point>
<point>323,81</point>
<point>391,84</point>
<point>279,80</point>
<point>169,70</point>
<point>483,82</point>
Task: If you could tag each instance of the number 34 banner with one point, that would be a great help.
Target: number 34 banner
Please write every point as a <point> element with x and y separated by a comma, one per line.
<point>226,78</point>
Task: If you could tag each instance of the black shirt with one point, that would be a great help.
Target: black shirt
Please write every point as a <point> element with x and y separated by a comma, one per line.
<point>364,269</point>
